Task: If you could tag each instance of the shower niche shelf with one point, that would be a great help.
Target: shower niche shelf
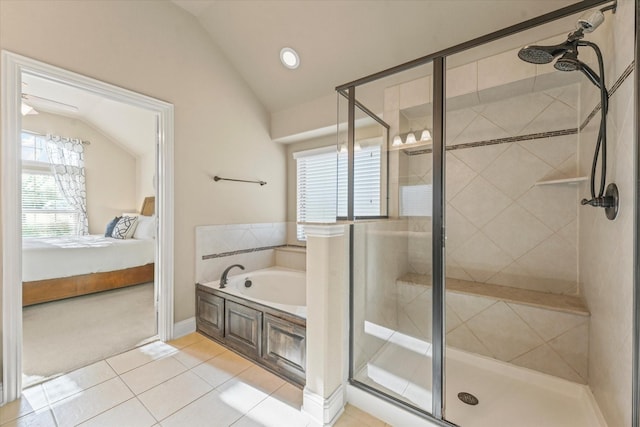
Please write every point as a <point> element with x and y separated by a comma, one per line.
<point>574,180</point>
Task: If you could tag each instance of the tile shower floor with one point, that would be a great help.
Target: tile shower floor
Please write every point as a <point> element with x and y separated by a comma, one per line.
<point>508,395</point>
<point>190,382</point>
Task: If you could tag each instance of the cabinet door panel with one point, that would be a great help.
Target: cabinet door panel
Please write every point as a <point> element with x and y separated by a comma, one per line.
<point>243,328</point>
<point>210,314</point>
<point>285,347</point>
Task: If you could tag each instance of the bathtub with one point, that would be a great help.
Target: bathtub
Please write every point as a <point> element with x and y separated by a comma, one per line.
<point>265,322</point>
<point>276,287</point>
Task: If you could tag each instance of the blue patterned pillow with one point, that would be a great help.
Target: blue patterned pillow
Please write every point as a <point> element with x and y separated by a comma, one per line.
<point>111,226</point>
<point>125,227</point>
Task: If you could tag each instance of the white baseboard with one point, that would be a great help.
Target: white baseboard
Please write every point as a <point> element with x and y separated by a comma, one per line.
<point>184,327</point>
<point>321,411</point>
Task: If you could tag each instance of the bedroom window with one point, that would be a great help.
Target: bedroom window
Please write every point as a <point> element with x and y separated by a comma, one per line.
<point>45,211</point>
<point>322,184</point>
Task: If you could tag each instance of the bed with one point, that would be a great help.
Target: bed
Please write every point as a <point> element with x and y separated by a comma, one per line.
<point>52,271</point>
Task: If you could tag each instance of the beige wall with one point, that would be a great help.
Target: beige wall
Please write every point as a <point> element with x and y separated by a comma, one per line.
<point>157,49</point>
<point>110,170</point>
<point>606,247</point>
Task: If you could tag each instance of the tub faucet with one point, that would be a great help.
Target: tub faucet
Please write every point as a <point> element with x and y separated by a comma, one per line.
<point>223,278</point>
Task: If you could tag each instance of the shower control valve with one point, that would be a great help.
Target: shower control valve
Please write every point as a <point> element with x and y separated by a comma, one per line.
<point>599,202</point>
<point>610,201</point>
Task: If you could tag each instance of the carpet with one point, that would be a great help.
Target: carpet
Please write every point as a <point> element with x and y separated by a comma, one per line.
<point>61,336</point>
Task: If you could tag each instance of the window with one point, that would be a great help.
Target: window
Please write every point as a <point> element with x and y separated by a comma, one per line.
<point>416,200</point>
<point>322,184</point>
<point>45,211</point>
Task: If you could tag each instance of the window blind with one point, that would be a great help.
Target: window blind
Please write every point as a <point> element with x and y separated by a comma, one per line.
<point>322,177</point>
<point>416,200</point>
<point>45,211</point>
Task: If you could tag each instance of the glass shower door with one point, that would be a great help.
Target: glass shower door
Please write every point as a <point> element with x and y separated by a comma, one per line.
<point>391,255</point>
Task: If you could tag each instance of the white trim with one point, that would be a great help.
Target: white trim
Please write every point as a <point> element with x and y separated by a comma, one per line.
<point>165,218</point>
<point>11,229</point>
<point>323,412</point>
<point>13,66</point>
<point>323,230</point>
<point>184,327</point>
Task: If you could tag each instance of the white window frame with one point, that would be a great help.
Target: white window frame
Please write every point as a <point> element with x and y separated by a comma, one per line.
<point>336,209</point>
<point>35,167</point>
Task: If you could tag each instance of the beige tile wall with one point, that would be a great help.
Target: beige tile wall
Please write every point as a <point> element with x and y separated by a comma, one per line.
<point>606,247</point>
<point>502,228</point>
<point>293,258</point>
<point>219,239</point>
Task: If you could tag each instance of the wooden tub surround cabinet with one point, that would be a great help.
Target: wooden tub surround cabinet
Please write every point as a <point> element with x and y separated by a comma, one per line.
<point>269,337</point>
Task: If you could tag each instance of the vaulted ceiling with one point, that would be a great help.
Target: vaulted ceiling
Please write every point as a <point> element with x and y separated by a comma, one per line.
<point>338,41</point>
<point>341,40</point>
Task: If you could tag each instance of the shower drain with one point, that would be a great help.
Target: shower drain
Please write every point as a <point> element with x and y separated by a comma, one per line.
<point>468,398</point>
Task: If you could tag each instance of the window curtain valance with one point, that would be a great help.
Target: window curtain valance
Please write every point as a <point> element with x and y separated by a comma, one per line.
<point>66,156</point>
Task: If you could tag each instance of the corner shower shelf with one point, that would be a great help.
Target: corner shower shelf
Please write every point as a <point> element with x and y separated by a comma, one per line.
<point>557,302</point>
<point>574,180</point>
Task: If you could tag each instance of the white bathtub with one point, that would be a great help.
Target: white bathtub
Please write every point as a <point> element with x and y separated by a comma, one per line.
<point>275,287</point>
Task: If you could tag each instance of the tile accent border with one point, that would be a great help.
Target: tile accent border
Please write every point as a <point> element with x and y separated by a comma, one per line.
<point>518,138</point>
<point>626,73</point>
<point>542,135</point>
<point>246,251</point>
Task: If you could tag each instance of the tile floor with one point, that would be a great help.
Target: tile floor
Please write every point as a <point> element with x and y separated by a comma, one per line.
<point>191,381</point>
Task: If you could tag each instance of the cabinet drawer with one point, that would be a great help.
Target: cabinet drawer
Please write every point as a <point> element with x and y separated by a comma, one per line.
<point>243,328</point>
<point>210,314</point>
<point>284,347</point>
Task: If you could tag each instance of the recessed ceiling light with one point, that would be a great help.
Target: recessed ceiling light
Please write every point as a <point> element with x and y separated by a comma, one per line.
<point>289,58</point>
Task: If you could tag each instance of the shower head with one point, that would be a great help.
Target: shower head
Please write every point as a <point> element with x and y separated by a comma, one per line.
<point>587,23</point>
<point>542,54</point>
<point>568,62</point>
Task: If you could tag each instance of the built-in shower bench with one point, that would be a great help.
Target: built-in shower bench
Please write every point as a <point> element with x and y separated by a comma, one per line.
<point>557,302</point>
<point>537,330</point>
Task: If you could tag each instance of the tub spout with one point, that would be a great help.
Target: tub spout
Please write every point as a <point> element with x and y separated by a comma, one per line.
<point>223,278</point>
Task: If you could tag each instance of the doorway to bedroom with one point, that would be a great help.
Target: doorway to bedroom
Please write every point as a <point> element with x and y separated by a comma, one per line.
<point>92,226</point>
<point>88,234</point>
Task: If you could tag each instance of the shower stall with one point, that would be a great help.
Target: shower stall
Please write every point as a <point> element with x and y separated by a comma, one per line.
<point>492,282</point>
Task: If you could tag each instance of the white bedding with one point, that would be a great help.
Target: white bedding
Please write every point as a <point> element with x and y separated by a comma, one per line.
<point>53,257</point>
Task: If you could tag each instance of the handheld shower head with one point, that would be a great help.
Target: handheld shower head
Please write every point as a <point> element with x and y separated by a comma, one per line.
<point>568,62</point>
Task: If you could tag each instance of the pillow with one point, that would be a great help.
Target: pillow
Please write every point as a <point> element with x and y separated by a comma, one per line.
<point>146,228</point>
<point>111,225</point>
<point>125,227</point>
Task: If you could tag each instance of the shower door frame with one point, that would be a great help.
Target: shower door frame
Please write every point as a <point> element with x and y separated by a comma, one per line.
<point>438,59</point>
<point>635,402</point>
